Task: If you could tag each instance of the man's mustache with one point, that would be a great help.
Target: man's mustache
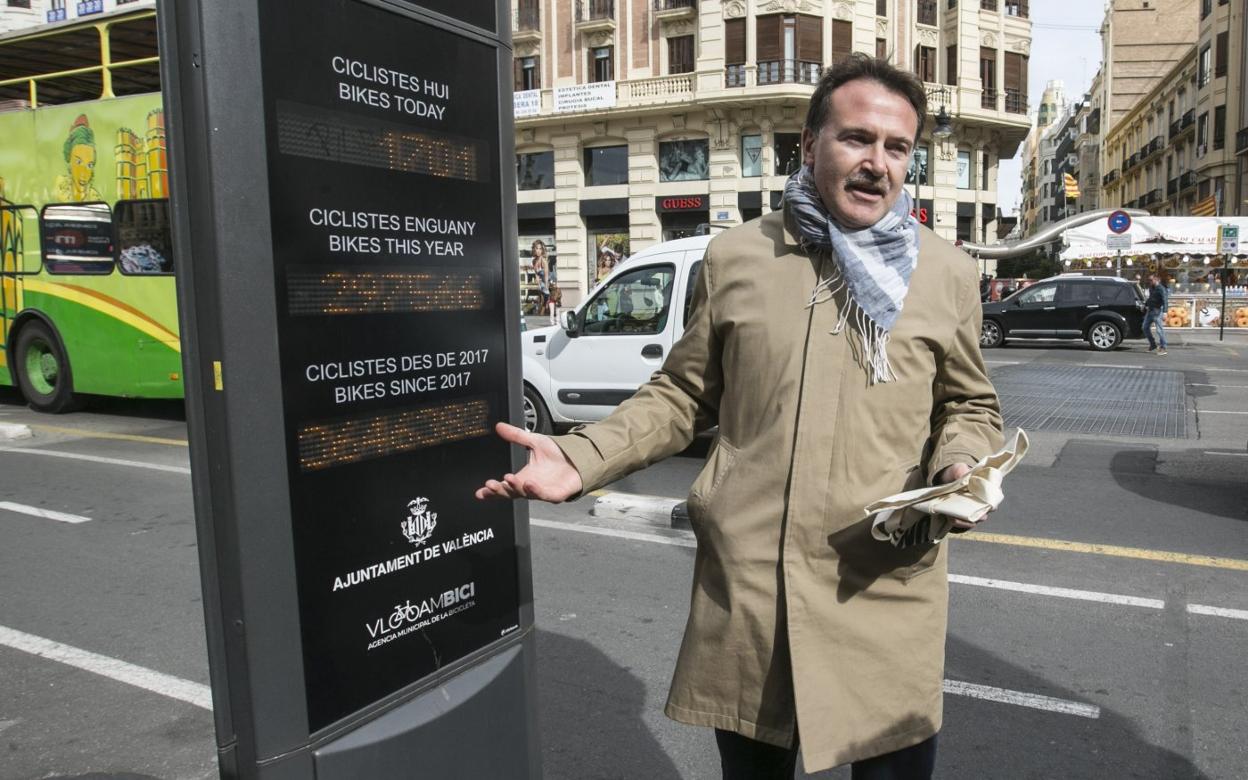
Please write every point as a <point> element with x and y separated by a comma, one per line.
<point>878,186</point>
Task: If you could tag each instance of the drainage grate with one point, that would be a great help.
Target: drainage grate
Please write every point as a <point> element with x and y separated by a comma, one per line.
<point>1090,399</point>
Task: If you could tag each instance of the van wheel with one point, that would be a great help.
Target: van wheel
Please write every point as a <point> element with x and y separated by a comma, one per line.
<point>536,418</point>
<point>1104,336</point>
<point>42,370</point>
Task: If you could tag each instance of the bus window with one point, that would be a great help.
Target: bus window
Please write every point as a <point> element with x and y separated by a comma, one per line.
<point>132,49</point>
<point>77,238</point>
<point>144,237</point>
<point>19,240</point>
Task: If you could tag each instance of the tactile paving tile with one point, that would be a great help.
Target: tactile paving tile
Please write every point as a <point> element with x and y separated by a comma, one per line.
<point>1093,399</point>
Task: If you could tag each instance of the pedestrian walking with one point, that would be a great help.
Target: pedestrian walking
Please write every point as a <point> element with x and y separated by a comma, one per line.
<point>835,343</point>
<point>541,274</point>
<point>1155,314</point>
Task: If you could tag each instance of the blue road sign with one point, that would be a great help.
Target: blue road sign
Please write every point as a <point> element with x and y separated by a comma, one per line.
<point>1120,221</point>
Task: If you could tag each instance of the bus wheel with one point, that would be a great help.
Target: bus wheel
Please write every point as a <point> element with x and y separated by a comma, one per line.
<point>43,371</point>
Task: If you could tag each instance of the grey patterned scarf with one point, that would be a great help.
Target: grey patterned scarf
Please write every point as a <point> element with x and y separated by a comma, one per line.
<point>874,264</point>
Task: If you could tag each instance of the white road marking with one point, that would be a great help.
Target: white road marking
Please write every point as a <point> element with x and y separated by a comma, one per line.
<point>1208,384</point>
<point>45,513</point>
<point>1229,370</point>
<point>1003,362</point>
<point>675,541</point>
<point>1062,593</point>
<point>138,464</point>
<point>1201,609</point>
<point>148,679</point>
<point>1018,698</point>
<point>1228,454</point>
<point>1216,411</point>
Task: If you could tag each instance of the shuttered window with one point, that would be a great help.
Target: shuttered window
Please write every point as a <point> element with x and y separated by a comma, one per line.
<point>680,54</point>
<point>842,39</point>
<point>925,62</point>
<point>881,48</point>
<point>951,65</point>
<point>1220,56</point>
<point>734,41</point>
<point>770,43</point>
<point>528,74</point>
<point>1015,82</point>
<point>810,38</point>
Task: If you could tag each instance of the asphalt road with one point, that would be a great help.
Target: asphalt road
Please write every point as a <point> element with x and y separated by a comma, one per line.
<point>1097,624</point>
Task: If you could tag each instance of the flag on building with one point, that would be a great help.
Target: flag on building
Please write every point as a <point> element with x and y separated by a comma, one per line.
<point>1072,186</point>
<point>1206,208</point>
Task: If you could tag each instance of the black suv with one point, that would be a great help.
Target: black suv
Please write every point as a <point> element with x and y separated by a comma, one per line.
<point>1100,310</point>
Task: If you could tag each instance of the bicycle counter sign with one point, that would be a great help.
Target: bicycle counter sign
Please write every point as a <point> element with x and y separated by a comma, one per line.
<point>1119,221</point>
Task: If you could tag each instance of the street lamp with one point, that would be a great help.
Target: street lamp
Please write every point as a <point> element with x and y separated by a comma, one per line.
<point>942,130</point>
<point>944,125</point>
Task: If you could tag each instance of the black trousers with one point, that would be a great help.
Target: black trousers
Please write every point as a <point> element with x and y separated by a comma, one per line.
<point>743,758</point>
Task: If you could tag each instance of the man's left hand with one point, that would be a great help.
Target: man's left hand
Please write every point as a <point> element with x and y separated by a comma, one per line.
<point>953,474</point>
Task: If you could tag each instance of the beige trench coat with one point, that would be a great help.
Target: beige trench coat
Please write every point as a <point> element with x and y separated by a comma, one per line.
<point>800,621</point>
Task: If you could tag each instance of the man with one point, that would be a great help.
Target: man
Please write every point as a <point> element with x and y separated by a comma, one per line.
<point>1155,314</point>
<point>841,362</point>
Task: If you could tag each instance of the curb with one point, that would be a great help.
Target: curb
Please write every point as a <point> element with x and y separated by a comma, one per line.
<point>653,510</point>
<point>11,431</point>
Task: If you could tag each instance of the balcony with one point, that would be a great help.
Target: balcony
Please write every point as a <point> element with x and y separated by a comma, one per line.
<point>1150,198</point>
<point>1015,101</point>
<point>595,16</point>
<point>989,100</point>
<point>988,5</point>
<point>1152,147</point>
<point>788,72</point>
<point>1172,187</point>
<point>1130,162</point>
<point>1181,125</point>
<point>1241,141</point>
<point>928,12</point>
<point>675,10</point>
<point>1187,181</point>
<point>1016,8</point>
<point>1109,178</point>
<point>527,25</point>
<point>676,89</point>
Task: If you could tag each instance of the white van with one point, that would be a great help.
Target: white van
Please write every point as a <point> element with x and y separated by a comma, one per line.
<point>599,354</point>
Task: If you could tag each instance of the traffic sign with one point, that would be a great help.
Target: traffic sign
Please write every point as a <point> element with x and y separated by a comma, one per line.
<point>1115,241</point>
<point>1228,239</point>
<point>1119,221</point>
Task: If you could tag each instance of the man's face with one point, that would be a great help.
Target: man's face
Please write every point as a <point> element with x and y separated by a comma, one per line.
<point>860,156</point>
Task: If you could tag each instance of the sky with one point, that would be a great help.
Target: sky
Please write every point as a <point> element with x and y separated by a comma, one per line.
<point>1066,46</point>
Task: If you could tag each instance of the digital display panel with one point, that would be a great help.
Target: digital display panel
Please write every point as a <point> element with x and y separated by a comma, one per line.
<point>78,239</point>
<point>383,148</point>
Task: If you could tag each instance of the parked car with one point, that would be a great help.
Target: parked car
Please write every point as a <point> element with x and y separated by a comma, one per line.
<point>599,354</point>
<point>1100,310</point>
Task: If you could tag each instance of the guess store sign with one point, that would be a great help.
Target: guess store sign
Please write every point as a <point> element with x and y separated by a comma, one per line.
<point>681,203</point>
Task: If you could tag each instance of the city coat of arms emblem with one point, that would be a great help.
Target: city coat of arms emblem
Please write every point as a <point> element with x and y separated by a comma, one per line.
<point>419,524</point>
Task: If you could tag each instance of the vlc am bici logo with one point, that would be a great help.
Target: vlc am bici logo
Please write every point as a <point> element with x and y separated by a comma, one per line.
<point>419,524</point>
<point>413,616</point>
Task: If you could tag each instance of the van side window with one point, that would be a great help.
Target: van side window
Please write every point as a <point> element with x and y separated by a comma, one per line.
<point>693,281</point>
<point>636,302</point>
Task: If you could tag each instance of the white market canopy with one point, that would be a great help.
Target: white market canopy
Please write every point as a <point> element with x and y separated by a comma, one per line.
<point>1154,236</point>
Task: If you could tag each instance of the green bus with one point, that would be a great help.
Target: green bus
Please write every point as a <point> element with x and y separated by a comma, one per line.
<point>87,301</point>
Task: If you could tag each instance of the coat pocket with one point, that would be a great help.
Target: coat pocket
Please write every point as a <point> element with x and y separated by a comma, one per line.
<point>720,462</point>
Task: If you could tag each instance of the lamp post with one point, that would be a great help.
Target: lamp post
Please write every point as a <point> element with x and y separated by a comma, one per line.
<point>942,130</point>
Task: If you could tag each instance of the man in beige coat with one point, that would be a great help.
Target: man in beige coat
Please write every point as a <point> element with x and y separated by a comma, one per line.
<point>836,346</point>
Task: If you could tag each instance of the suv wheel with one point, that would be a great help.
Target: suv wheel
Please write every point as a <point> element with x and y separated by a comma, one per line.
<point>1104,336</point>
<point>990,334</point>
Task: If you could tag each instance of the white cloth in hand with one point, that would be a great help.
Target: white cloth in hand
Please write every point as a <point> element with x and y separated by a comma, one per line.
<point>927,514</point>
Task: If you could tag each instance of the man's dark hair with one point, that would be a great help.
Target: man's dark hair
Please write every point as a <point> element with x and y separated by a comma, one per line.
<point>861,66</point>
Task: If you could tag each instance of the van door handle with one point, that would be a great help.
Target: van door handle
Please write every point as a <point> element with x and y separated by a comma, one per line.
<point>1093,306</point>
<point>1050,308</point>
<point>652,351</point>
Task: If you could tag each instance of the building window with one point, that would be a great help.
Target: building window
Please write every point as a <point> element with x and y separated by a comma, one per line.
<point>964,170</point>
<point>790,48</point>
<point>925,62</point>
<point>734,53</point>
<point>606,165</point>
<point>988,77</point>
<point>1204,69</point>
<point>1202,134</point>
<point>751,155</point>
<point>987,5</point>
<point>19,3</point>
<point>881,48</point>
<point>603,63</point>
<point>1220,56</point>
<point>535,170</point>
<point>951,65</point>
<point>1219,127</point>
<point>1015,83</point>
<point>680,54</point>
<point>983,171</point>
<point>881,7</point>
<point>683,160</point>
<point>788,152</point>
<point>1016,8</point>
<point>927,12</point>
<point>842,39</point>
<point>1206,8</point>
<point>917,172</point>
<point>528,76</point>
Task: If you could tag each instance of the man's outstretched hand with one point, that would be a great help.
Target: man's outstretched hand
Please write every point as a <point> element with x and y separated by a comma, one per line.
<point>549,476</point>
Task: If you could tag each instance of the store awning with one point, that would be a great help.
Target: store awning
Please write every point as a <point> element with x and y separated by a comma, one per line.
<point>1154,236</point>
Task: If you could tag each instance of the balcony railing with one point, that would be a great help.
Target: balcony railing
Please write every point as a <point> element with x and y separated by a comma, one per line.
<point>1015,101</point>
<point>788,72</point>
<point>1172,187</point>
<point>675,5</point>
<point>594,10</point>
<point>1151,197</point>
<point>528,18</point>
<point>1188,119</point>
<point>1152,147</point>
<point>927,11</point>
<point>988,100</point>
<point>1187,181</point>
<point>1241,141</point>
<point>987,5</point>
<point>1109,178</point>
<point>1016,8</point>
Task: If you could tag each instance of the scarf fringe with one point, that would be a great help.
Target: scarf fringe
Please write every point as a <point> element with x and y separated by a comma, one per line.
<point>873,338</point>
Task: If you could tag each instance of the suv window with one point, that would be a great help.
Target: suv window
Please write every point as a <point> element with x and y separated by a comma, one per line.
<point>1041,293</point>
<point>1116,292</point>
<point>636,302</point>
<point>1077,293</point>
<point>693,281</point>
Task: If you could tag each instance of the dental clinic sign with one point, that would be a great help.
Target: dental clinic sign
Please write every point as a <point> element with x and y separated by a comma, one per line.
<point>584,97</point>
